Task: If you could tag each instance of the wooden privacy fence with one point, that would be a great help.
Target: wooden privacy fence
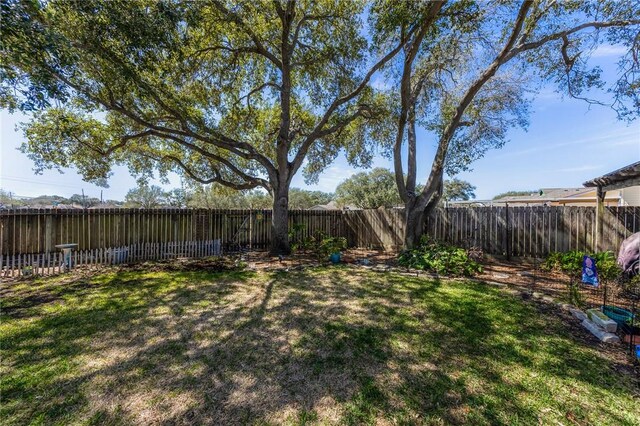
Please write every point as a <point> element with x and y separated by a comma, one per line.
<point>508,231</point>
<point>110,236</point>
<point>166,233</point>
<point>532,231</point>
<point>39,231</point>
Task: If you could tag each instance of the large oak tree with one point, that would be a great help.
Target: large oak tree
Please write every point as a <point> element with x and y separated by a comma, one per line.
<point>239,93</point>
<point>467,77</point>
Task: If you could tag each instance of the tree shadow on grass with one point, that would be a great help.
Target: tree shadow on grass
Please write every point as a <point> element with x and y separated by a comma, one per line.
<point>337,346</point>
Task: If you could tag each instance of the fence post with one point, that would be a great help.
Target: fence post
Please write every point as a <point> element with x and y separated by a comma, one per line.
<point>507,229</point>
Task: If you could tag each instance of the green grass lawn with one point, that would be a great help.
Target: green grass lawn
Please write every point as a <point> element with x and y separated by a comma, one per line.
<point>323,346</point>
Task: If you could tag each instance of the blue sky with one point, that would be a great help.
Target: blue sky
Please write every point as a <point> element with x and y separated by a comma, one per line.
<point>567,143</point>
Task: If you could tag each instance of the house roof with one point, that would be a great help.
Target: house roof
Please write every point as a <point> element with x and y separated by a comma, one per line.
<point>624,177</point>
<point>105,206</point>
<point>547,194</point>
<point>555,194</point>
<point>332,205</point>
<point>52,206</point>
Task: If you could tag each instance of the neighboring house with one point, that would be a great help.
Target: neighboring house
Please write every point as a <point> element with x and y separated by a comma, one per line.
<point>561,197</point>
<point>585,197</point>
<point>105,206</point>
<point>631,196</point>
<point>473,203</point>
<point>331,205</point>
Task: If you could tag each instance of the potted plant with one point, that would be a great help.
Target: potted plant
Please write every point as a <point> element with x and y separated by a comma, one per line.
<point>333,247</point>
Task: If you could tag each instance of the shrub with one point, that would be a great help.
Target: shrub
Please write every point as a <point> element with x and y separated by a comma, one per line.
<point>570,263</point>
<point>298,240</point>
<point>440,258</point>
<point>330,245</point>
<point>608,268</point>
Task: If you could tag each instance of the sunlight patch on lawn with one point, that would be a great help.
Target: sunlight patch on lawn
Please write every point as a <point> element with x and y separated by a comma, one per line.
<point>333,345</point>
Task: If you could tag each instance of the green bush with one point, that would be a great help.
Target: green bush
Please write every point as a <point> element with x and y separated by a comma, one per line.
<point>440,258</point>
<point>298,240</point>
<point>607,266</point>
<point>330,245</point>
<point>319,244</point>
<point>570,263</point>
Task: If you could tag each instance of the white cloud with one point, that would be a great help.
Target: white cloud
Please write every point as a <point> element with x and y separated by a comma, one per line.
<point>620,137</point>
<point>334,175</point>
<point>607,50</point>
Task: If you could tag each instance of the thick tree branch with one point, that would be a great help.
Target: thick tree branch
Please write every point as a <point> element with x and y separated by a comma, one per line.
<point>211,156</point>
<point>283,143</point>
<point>305,19</point>
<point>559,35</point>
<point>219,140</point>
<point>313,136</point>
<point>217,178</point>
<point>260,88</point>
<point>437,168</point>
<point>222,140</point>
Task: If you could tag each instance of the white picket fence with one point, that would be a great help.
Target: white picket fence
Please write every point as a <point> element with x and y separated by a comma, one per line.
<point>54,263</point>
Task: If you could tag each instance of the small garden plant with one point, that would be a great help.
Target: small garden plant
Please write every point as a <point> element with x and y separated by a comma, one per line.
<point>440,258</point>
<point>570,264</point>
<point>331,245</point>
<point>320,245</point>
<point>300,242</point>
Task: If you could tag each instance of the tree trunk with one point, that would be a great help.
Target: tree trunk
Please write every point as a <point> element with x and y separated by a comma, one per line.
<point>416,213</point>
<point>414,216</point>
<point>280,222</point>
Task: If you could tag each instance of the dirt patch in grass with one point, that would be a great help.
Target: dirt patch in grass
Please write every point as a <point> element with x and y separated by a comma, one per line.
<point>337,345</point>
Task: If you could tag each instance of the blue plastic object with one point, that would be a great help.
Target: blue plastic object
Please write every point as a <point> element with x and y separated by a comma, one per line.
<point>637,351</point>
<point>335,257</point>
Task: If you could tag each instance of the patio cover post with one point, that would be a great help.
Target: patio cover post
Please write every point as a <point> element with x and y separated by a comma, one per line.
<point>600,194</point>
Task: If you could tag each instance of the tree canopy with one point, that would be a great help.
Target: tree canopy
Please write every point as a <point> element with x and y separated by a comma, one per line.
<point>458,190</point>
<point>369,190</point>
<point>244,94</point>
<point>146,197</point>
<point>469,70</point>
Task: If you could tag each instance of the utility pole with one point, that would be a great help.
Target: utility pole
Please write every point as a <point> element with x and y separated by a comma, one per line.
<point>84,202</point>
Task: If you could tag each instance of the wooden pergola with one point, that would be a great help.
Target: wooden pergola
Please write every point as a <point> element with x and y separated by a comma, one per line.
<point>618,179</point>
